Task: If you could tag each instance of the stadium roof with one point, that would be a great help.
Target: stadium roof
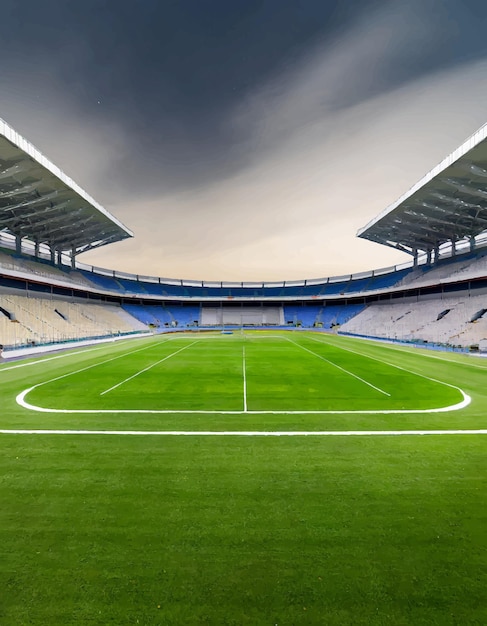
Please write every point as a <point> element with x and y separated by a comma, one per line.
<point>447,205</point>
<point>39,202</point>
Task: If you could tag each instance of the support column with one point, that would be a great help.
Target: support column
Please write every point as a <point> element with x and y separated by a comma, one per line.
<point>73,258</point>
<point>36,250</point>
<point>18,244</point>
<point>453,248</point>
<point>58,257</point>
<point>428,256</point>
<point>415,257</point>
<point>472,244</point>
<point>53,254</point>
<point>436,254</point>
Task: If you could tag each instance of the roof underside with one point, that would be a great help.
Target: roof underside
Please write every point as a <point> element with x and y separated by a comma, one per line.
<point>448,204</point>
<point>40,203</point>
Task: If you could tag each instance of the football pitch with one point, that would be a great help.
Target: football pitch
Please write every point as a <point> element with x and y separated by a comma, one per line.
<point>254,478</point>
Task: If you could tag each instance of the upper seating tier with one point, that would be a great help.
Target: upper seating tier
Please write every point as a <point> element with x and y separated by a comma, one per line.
<point>472,265</point>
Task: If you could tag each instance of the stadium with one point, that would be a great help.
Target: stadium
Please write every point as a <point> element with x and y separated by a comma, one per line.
<point>297,452</point>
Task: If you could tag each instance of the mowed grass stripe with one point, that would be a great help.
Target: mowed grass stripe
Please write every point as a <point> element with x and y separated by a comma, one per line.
<point>209,378</point>
<point>364,531</point>
<point>146,369</point>
<point>281,376</point>
<point>463,359</point>
<point>389,364</point>
<point>138,412</point>
<point>342,369</point>
<point>84,382</point>
<point>417,352</point>
<point>273,376</point>
<point>411,389</point>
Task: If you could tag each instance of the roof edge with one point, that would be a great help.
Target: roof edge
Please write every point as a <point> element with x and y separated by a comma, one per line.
<point>477,137</point>
<point>26,146</point>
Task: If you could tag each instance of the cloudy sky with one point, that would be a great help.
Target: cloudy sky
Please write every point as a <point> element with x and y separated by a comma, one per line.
<point>244,139</point>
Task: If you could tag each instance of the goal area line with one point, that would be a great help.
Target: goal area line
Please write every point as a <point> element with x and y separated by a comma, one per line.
<point>21,401</point>
<point>465,401</point>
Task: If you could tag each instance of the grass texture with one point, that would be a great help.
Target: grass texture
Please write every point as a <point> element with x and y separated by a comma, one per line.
<point>233,530</point>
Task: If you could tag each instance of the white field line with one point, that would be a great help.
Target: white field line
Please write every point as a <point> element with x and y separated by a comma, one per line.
<point>435,380</point>
<point>339,367</point>
<point>88,367</point>
<point>439,358</point>
<point>87,349</point>
<point>433,356</point>
<point>389,346</point>
<point>146,369</point>
<point>405,349</point>
<point>248,433</point>
<point>244,381</point>
<point>61,356</point>
<point>20,399</point>
<point>51,358</point>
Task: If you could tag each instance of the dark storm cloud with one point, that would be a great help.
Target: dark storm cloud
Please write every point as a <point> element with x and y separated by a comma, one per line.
<point>171,74</point>
<point>244,140</point>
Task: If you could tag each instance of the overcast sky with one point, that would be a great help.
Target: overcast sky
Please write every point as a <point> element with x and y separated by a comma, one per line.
<point>244,139</point>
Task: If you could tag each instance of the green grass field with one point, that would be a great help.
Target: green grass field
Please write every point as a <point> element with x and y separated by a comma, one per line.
<point>258,478</point>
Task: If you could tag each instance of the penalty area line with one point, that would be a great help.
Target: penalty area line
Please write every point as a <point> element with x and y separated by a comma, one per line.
<point>20,399</point>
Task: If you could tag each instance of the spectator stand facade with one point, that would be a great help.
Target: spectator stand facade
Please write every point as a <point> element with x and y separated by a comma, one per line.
<point>42,211</point>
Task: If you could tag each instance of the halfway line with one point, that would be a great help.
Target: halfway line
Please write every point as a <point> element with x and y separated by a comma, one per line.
<point>244,381</point>
<point>147,368</point>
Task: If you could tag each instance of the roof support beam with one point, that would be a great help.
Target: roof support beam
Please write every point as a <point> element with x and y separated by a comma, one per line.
<point>36,197</point>
<point>449,204</point>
